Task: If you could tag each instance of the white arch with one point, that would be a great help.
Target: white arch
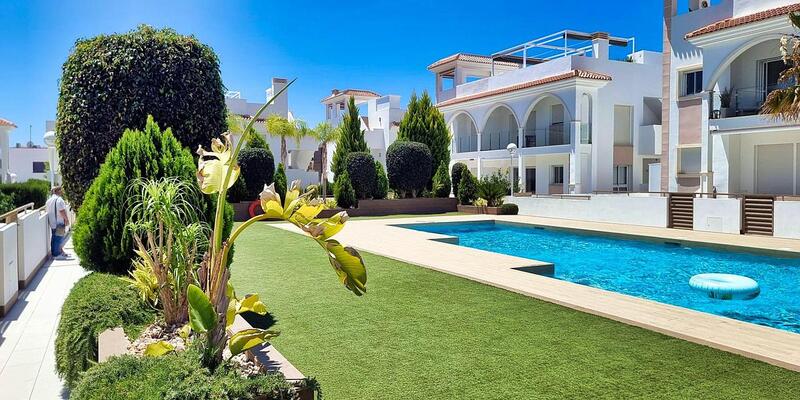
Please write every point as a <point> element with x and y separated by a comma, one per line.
<point>727,61</point>
<point>460,112</point>
<point>494,108</point>
<point>539,99</point>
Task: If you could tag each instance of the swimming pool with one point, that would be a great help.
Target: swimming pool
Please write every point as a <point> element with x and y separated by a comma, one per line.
<point>651,270</point>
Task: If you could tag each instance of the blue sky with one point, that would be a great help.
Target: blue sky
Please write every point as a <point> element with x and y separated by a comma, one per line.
<point>379,45</point>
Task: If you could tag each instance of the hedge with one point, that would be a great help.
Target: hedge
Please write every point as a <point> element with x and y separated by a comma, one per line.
<point>361,170</point>
<point>343,191</point>
<point>257,168</point>
<point>175,377</point>
<point>455,175</point>
<point>100,238</point>
<point>110,83</point>
<point>381,183</point>
<point>34,191</point>
<point>509,209</point>
<point>97,302</point>
<point>408,167</point>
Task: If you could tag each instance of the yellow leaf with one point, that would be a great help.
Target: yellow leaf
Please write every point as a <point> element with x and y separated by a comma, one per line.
<point>249,338</point>
<point>252,303</point>
<point>349,266</point>
<point>158,349</point>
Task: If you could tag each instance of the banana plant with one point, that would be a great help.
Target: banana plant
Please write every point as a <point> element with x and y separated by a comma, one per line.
<point>216,173</point>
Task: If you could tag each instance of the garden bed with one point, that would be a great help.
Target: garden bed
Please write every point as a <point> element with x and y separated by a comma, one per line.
<point>479,210</point>
<point>420,205</point>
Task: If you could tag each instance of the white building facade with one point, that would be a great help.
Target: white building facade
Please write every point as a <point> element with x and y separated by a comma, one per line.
<point>380,125</point>
<point>721,62</point>
<point>301,153</point>
<point>582,120</point>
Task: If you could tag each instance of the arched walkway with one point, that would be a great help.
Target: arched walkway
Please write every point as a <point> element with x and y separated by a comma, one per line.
<point>499,129</point>
<point>465,132</point>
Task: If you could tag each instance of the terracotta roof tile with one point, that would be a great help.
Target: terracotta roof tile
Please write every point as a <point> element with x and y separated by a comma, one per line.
<point>5,122</point>
<point>476,58</point>
<point>734,22</point>
<point>576,73</point>
<point>351,92</point>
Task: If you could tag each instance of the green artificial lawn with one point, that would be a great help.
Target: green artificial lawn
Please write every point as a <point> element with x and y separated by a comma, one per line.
<point>421,334</point>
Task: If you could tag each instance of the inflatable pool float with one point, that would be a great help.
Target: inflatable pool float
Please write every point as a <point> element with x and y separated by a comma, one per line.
<point>725,286</point>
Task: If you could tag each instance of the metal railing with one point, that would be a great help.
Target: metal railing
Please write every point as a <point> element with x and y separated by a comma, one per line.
<point>777,197</point>
<point>555,135</point>
<point>742,101</point>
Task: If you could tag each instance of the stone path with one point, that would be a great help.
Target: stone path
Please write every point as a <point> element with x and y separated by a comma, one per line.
<point>28,332</point>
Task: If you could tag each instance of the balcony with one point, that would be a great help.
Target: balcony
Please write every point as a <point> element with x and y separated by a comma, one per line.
<point>466,144</point>
<point>555,135</point>
<point>743,114</point>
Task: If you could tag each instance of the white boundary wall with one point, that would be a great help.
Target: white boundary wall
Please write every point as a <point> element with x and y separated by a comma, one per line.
<point>32,243</point>
<point>787,219</point>
<point>8,264</point>
<point>718,215</point>
<point>621,209</point>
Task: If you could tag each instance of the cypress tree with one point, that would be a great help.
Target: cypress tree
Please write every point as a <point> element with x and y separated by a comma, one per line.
<point>351,138</point>
<point>424,123</point>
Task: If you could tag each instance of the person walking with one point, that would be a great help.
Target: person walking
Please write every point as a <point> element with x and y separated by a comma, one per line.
<point>58,220</point>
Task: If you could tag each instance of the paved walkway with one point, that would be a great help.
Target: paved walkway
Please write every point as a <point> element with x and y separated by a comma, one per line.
<point>430,250</point>
<point>28,333</point>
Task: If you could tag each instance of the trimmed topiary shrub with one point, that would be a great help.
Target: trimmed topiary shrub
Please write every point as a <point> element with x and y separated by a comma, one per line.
<point>455,175</point>
<point>257,168</point>
<point>424,123</point>
<point>509,209</point>
<point>441,182</point>
<point>381,182</point>
<point>409,167</point>
<point>111,83</point>
<point>343,191</point>
<point>280,182</point>
<point>100,238</point>
<point>97,302</point>
<point>34,191</point>
<point>467,189</point>
<point>175,377</point>
<point>361,170</point>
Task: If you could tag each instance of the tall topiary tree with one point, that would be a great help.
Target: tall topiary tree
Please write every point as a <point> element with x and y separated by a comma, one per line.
<point>441,182</point>
<point>112,82</point>
<point>467,189</point>
<point>455,175</point>
<point>351,138</point>
<point>280,181</point>
<point>424,123</point>
<point>381,182</point>
<point>343,191</point>
<point>408,167</point>
<point>361,170</point>
<point>100,238</point>
<point>257,169</point>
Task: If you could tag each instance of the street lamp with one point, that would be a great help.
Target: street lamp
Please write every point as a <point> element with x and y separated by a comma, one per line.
<point>512,148</point>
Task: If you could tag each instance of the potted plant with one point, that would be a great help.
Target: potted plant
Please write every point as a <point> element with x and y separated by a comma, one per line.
<point>725,97</point>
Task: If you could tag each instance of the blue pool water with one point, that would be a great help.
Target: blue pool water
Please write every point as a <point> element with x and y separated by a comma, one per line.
<point>656,271</point>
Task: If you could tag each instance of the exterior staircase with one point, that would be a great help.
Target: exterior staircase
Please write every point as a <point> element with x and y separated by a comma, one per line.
<point>758,213</point>
<point>681,210</point>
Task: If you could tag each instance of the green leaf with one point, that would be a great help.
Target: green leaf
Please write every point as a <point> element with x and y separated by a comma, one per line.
<point>202,317</point>
<point>349,266</point>
<point>158,349</point>
<point>249,338</point>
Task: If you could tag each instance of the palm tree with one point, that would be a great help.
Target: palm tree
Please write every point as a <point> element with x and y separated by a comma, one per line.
<point>785,103</point>
<point>283,128</point>
<point>325,134</point>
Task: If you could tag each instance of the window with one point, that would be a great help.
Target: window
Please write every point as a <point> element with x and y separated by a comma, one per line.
<point>692,82</point>
<point>38,167</point>
<point>621,178</point>
<point>557,175</point>
<point>623,125</point>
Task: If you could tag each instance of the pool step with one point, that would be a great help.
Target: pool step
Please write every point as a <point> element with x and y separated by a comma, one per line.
<point>681,210</point>
<point>758,213</point>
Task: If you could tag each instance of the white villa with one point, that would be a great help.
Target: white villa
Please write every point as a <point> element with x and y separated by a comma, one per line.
<point>380,125</point>
<point>720,142</point>
<point>303,160</point>
<point>21,163</point>
<point>584,110</point>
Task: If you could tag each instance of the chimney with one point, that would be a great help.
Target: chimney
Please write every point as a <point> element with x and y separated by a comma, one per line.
<point>600,45</point>
<point>281,104</point>
<point>334,92</point>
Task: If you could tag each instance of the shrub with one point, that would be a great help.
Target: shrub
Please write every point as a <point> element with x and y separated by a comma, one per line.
<point>34,191</point>
<point>176,376</point>
<point>100,238</point>
<point>343,191</point>
<point>256,141</point>
<point>257,169</point>
<point>493,188</point>
<point>509,209</point>
<point>350,140</point>
<point>424,123</point>
<point>467,189</point>
<point>409,167</point>
<point>280,182</point>
<point>441,182</point>
<point>112,82</point>
<point>361,170</point>
<point>238,192</point>
<point>381,183</point>
<point>455,175</point>
<point>96,302</point>
<point>6,203</point>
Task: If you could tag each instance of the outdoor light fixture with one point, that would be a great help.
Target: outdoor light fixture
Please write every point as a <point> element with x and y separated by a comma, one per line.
<point>512,148</point>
